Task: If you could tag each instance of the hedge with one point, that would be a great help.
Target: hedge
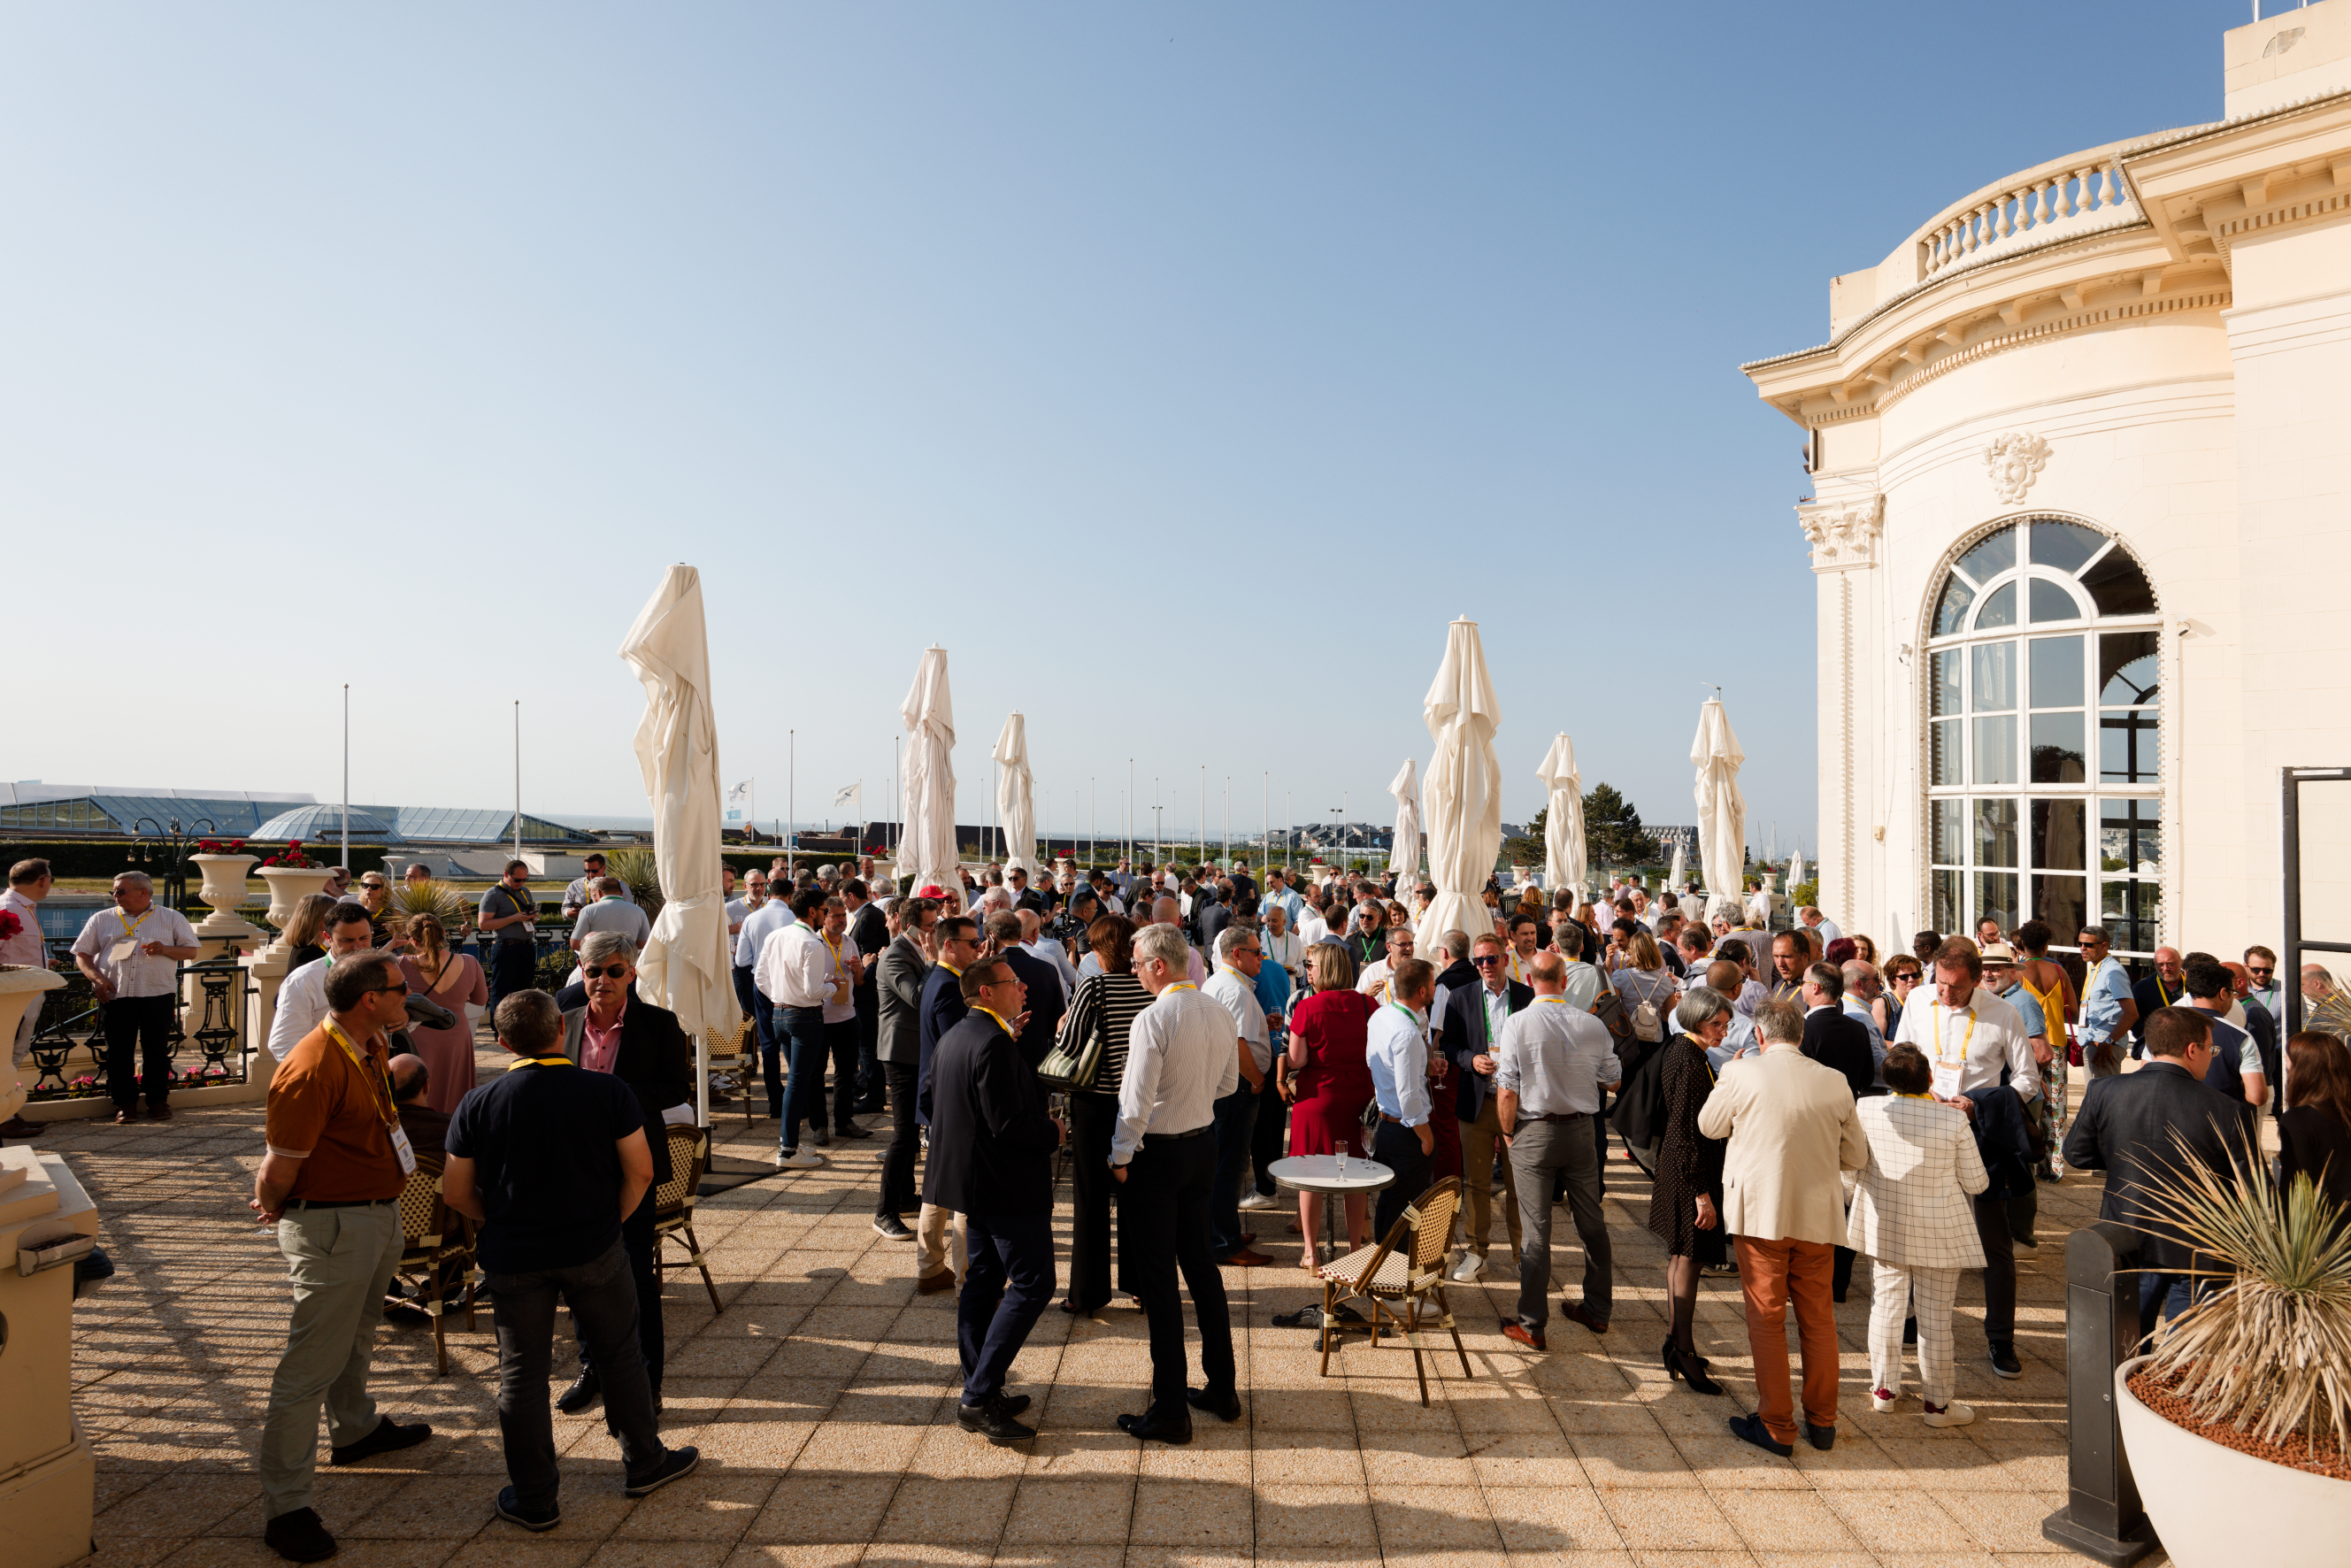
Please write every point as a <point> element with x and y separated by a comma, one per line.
<point>109,857</point>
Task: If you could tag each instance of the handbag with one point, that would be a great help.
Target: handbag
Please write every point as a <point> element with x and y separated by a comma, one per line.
<point>1072,1064</point>
<point>1609,1008</point>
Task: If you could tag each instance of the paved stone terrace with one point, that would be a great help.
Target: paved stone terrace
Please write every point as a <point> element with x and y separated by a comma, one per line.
<point>822,1398</point>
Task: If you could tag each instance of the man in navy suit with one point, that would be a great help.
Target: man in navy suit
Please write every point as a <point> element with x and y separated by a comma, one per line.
<point>1469,1030</point>
<point>1834,1038</point>
<point>2131,1125</point>
<point>957,936</point>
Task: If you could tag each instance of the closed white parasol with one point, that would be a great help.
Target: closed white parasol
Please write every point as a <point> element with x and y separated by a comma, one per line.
<point>1403,855</point>
<point>1721,810</point>
<point>1463,793</point>
<point>926,855</point>
<point>1014,805</point>
<point>687,966</point>
<point>1564,864</point>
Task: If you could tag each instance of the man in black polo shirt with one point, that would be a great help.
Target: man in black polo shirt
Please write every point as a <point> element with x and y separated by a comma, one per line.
<point>551,1158</point>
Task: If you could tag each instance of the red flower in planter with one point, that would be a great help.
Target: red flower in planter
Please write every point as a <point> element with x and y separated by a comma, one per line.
<point>9,925</point>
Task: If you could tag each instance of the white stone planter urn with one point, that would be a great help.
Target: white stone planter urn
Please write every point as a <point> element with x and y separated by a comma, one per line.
<point>21,986</point>
<point>288,885</point>
<point>2203,1497</point>
<point>224,889</point>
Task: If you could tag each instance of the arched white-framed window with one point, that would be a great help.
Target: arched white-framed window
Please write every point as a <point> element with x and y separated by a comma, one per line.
<point>2044,755</point>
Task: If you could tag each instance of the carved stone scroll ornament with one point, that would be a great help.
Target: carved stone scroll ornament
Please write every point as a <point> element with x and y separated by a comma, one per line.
<point>1843,533</point>
<point>2014,460</point>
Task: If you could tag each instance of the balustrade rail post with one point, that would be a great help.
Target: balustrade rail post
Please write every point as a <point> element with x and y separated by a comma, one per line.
<point>2102,1517</point>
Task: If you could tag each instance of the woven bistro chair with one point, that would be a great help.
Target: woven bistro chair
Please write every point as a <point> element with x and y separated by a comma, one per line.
<point>689,1157</point>
<point>437,1251</point>
<point>734,1052</point>
<point>1406,1265</point>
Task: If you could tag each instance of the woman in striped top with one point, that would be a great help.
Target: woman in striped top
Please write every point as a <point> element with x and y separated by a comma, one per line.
<point>1105,1008</point>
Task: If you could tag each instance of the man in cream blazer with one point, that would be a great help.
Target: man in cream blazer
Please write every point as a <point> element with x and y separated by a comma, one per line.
<point>1792,1134</point>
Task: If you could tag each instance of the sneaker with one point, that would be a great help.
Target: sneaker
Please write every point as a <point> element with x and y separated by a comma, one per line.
<point>890,1227</point>
<point>509,1507</point>
<point>1466,1266</point>
<point>798,1160</point>
<point>1256,1200</point>
<point>1881,1401</point>
<point>1952,1414</point>
<point>676,1464</point>
<point>821,1136</point>
<point>2004,1362</point>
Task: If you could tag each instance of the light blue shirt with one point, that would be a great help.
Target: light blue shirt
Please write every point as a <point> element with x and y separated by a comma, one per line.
<point>1293,908</point>
<point>758,926</point>
<point>2101,999</point>
<point>2027,1008</point>
<point>1396,1048</point>
<point>1854,1009</point>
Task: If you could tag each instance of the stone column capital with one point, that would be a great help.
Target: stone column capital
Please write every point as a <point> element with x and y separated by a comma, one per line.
<point>1843,534</point>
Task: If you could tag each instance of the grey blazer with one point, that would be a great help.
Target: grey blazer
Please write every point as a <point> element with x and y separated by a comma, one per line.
<point>901,975</point>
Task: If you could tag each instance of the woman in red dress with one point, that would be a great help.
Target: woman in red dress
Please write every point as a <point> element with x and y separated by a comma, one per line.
<point>1326,1059</point>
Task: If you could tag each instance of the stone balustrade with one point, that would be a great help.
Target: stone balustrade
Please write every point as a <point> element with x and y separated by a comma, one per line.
<point>2082,192</point>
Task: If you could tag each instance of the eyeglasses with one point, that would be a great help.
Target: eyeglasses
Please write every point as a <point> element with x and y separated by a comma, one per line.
<point>399,991</point>
<point>609,972</point>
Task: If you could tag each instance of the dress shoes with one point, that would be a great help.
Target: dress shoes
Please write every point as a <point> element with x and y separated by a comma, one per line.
<point>992,1419</point>
<point>1577,1313</point>
<point>1750,1430</point>
<point>298,1536</point>
<point>1013,1403</point>
<point>159,1112</point>
<point>1531,1338</point>
<point>1820,1437</point>
<point>1155,1428</point>
<point>124,1117</point>
<point>17,1127</point>
<point>931,1284</point>
<point>1247,1258</point>
<point>851,1130</point>
<point>387,1436</point>
<point>584,1391</point>
<point>1225,1406</point>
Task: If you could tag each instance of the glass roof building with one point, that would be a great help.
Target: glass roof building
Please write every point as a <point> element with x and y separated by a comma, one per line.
<point>32,808</point>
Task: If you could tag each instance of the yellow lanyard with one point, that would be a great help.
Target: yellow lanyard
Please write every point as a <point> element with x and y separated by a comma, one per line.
<point>130,928</point>
<point>998,1016</point>
<point>541,1061</point>
<point>378,1093</point>
<point>2159,991</point>
<point>1178,986</point>
<point>1936,1013</point>
<point>1928,1098</point>
<point>831,949</point>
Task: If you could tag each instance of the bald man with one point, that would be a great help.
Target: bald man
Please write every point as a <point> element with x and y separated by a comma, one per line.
<point>426,1126</point>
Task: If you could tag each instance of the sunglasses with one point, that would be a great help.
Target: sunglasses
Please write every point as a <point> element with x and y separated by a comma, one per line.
<point>609,972</point>
<point>2261,974</point>
<point>399,991</point>
<point>1487,960</point>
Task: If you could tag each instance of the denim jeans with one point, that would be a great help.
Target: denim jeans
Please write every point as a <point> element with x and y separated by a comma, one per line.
<point>769,1034</point>
<point>800,1031</point>
<point>1236,1116</point>
<point>603,1302</point>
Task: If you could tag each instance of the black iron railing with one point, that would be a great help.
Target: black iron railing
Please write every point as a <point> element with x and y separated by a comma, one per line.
<point>68,1049</point>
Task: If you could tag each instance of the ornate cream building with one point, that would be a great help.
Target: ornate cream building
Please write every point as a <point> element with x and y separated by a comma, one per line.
<point>2081,448</point>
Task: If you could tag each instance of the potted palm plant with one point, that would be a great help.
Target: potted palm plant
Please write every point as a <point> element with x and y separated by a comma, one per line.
<point>2239,1420</point>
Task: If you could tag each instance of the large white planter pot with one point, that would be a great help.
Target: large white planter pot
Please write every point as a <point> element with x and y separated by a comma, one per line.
<point>224,889</point>
<point>21,986</point>
<point>289,887</point>
<point>2213,1507</point>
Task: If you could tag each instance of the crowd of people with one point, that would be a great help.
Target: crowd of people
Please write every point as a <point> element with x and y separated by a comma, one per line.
<point>1801,1099</point>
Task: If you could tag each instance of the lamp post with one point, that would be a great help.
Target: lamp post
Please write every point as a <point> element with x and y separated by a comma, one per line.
<point>167,849</point>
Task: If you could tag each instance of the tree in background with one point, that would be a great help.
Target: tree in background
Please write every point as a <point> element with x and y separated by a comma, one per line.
<point>1612,829</point>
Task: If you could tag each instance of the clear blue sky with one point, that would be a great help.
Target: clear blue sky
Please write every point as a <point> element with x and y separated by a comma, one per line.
<point>1182,371</point>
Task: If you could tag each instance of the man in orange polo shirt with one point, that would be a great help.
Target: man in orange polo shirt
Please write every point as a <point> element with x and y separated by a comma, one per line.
<point>330,1182</point>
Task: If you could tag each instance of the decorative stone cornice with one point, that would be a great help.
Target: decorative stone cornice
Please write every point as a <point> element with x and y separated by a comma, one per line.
<point>1843,534</point>
<point>2014,459</point>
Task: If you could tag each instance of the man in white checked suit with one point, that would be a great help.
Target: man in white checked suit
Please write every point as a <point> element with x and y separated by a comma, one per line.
<point>1912,1214</point>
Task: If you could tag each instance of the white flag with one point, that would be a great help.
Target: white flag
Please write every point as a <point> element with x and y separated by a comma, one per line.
<point>851,796</point>
<point>738,799</point>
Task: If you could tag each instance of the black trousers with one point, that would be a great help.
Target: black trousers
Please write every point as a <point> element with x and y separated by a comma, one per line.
<point>1271,1139</point>
<point>898,1195</point>
<point>767,1031</point>
<point>1092,1119</point>
<point>644,1251</point>
<point>604,1309</point>
<point>1163,1226</point>
<point>1008,1282</point>
<point>2000,1271</point>
<point>841,1045</point>
<point>870,1077</point>
<point>514,966</point>
<point>138,1028</point>
<point>1397,1147</point>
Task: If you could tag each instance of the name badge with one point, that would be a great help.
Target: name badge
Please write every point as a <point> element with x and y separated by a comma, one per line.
<point>1947,1081</point>
<point>123,952</point>
<point>406,1150</point>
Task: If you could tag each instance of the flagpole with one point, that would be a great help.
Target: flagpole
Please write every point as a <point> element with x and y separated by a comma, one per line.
<point>518,821</point>
<point>791,792</point>
<point>346,775</point>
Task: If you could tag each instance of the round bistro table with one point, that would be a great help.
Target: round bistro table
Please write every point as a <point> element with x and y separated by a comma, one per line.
<point>1320,1173</point>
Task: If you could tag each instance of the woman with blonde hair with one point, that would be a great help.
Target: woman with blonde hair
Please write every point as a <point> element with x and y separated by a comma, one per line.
<point>1641,979</point>
<point>454,980</point>
<point>306,933</point>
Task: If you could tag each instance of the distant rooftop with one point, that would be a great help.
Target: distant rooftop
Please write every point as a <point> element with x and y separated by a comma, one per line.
<point>104,811</point>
